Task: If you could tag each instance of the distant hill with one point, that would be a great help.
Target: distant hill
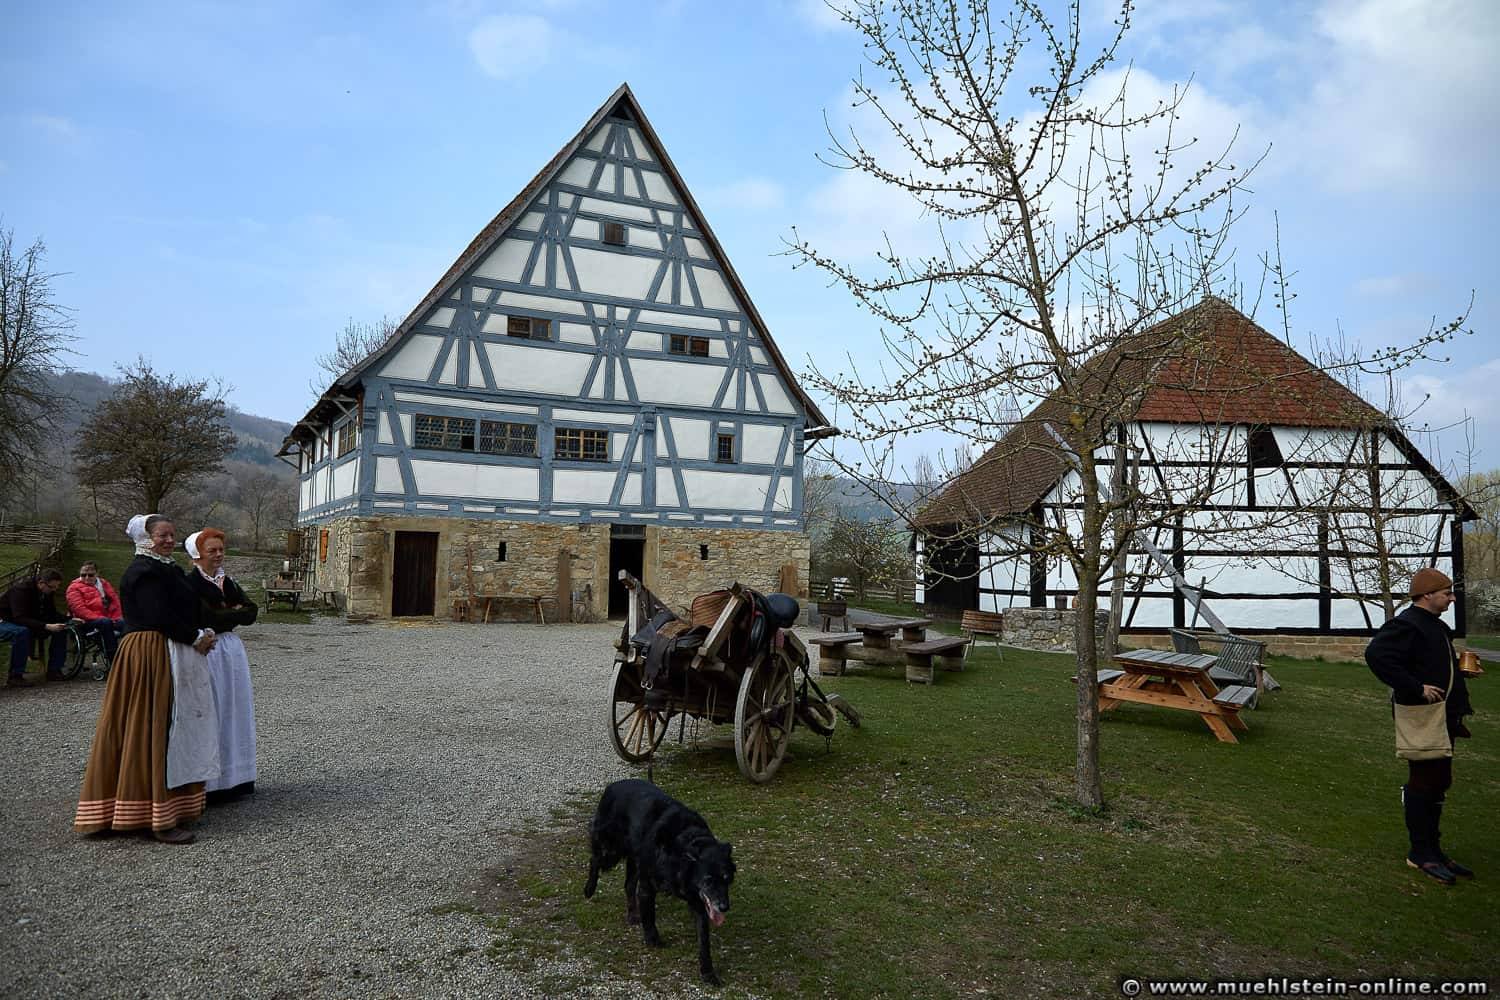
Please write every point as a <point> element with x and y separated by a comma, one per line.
<point>259,438</point>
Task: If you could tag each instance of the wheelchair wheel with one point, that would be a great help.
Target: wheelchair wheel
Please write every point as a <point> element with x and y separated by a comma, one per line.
<point>78,649</point>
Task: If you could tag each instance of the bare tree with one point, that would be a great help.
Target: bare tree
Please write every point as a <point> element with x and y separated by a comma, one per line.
<point>1069,225</point>
<point>354,343</point>
<point>157,434</point>
<point>35,331</point>
<point>869,553</point>
<point>268,500</point>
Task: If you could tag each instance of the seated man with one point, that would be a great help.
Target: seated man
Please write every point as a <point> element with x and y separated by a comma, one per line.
<point>92,599</point>
<point>27,613</point>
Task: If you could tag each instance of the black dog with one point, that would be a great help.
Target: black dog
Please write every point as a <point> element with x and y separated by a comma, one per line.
<point>667,847</point>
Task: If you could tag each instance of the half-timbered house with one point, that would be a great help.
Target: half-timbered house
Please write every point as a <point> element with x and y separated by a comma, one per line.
<point>1303,493</point>
<point>587,389</point>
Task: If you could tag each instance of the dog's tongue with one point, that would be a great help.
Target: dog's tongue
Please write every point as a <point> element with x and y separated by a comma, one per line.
<point>713,911</point>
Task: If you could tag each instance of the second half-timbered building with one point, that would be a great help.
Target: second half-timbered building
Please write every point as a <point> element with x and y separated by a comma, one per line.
<point>1308,504</point>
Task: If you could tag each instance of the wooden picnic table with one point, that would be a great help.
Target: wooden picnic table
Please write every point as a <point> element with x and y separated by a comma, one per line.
<point>836,651</point>
<point>1173,680</point>
<point>880,635</point>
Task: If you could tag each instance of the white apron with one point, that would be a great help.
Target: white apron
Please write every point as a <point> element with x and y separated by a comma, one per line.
<point>229,669</point>
<point>193,741</point>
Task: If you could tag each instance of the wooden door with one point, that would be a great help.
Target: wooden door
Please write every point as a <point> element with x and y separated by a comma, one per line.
<point>414,574</point>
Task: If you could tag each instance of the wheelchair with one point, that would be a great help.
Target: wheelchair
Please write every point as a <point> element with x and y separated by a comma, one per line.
<point>85,650</point>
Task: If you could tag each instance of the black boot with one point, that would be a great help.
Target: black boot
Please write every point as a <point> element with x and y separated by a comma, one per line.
<point>1423,855</point>
<point>1435,818</point>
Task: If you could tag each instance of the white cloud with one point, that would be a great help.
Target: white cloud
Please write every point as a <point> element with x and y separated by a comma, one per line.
<point>507,45</point>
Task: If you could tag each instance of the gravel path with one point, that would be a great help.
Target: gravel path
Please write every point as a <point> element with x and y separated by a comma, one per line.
<point>396,764</point>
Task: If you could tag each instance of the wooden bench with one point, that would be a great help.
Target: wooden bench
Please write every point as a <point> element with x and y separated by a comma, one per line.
<point>468,608</point>
<point>881,635</point>
<point>833,651</point>
<point>1237,697</point>
<point>948,651</point>
<point>282,589</point>
<point>831,608</point>
<point>988,623</point>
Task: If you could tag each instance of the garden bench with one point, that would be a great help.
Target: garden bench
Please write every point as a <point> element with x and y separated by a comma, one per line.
<point>987,623</point>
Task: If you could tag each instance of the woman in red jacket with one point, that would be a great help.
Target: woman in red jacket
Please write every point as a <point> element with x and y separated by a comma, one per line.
<point>91,598</point>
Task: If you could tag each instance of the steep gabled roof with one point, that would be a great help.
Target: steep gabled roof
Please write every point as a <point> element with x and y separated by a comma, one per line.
<point>622,100</point>
<point>1209,364</point>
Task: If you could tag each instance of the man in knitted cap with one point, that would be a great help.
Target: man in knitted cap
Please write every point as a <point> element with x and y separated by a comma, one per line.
<point>1413,654</point>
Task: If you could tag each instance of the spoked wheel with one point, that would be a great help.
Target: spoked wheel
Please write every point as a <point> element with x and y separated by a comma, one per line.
<point>78,651</point>
<point>763,716</point>
<point>635,730</point>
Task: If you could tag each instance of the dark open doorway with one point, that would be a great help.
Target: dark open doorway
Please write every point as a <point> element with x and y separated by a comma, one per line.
<point>414,573</point>
<point>627,551</point>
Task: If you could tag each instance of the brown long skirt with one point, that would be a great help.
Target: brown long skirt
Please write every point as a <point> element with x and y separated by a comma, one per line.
<point>125,783</point>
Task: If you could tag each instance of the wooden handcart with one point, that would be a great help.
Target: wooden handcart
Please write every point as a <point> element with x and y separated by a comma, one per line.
<point>719,678</point>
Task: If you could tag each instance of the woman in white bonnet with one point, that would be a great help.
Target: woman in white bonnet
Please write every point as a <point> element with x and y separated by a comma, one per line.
<point>225,606</point>
<point>125,786</point>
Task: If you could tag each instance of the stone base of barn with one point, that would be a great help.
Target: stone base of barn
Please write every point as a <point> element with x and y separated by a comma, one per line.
<point>522,558</point>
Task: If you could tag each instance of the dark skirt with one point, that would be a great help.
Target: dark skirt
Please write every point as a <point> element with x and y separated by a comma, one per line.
<point>125,783</point>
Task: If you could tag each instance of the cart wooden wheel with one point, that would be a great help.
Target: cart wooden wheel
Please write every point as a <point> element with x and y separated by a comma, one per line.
<point>635,730</point>
<point>763,717</point>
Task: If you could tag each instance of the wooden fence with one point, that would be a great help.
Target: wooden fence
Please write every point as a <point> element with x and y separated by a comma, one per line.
<point>48,540</point>
<point>903,590</point>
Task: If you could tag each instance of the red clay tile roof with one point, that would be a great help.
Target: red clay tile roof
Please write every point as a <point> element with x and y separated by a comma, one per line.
<point>1209,364</point>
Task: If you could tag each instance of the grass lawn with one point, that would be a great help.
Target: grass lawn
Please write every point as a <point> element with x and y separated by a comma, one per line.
<point>1483,641</point>
<point>936,851</point>
<point>16,556</point>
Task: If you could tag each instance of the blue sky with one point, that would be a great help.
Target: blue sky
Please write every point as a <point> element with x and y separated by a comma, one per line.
<point>227,184</point>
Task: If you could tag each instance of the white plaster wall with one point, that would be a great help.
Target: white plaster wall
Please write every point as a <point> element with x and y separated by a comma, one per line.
<point>414,358</point>
<point>304,495</point>
<point>657,187</point>
<point>476,372</point>
<point>575,333</point>
<point>463,403</point>
<point>575,486</point>
<point>462,479</point>
<point>693,322</point>
<point>630,495</point>
<point>616,210</point>
<point>441,316</point>
<point>689,436</point>
<point>777,400</point>
<point>449,374</point>
<point>675,382</point>
<point>622,275</point>
<point>524,302</point>
<point>729,490</point>
<point>666,489</point>
<point>762,443</point>
<point>383,428</point>
<point>507,261</point>
<point>644,342</point>
<point>345,478</point>
<point>388,475</point>
<point>517,366</point>
<point>562,415</point>
<point>712,290</point>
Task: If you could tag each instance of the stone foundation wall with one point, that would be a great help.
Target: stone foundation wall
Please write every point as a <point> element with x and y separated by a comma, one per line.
<point>361,550</point>
<point>1047,628</point>
<point>753,558</point>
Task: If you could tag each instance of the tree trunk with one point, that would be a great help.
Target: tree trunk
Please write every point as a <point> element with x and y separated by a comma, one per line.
<point>1089,789</point>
